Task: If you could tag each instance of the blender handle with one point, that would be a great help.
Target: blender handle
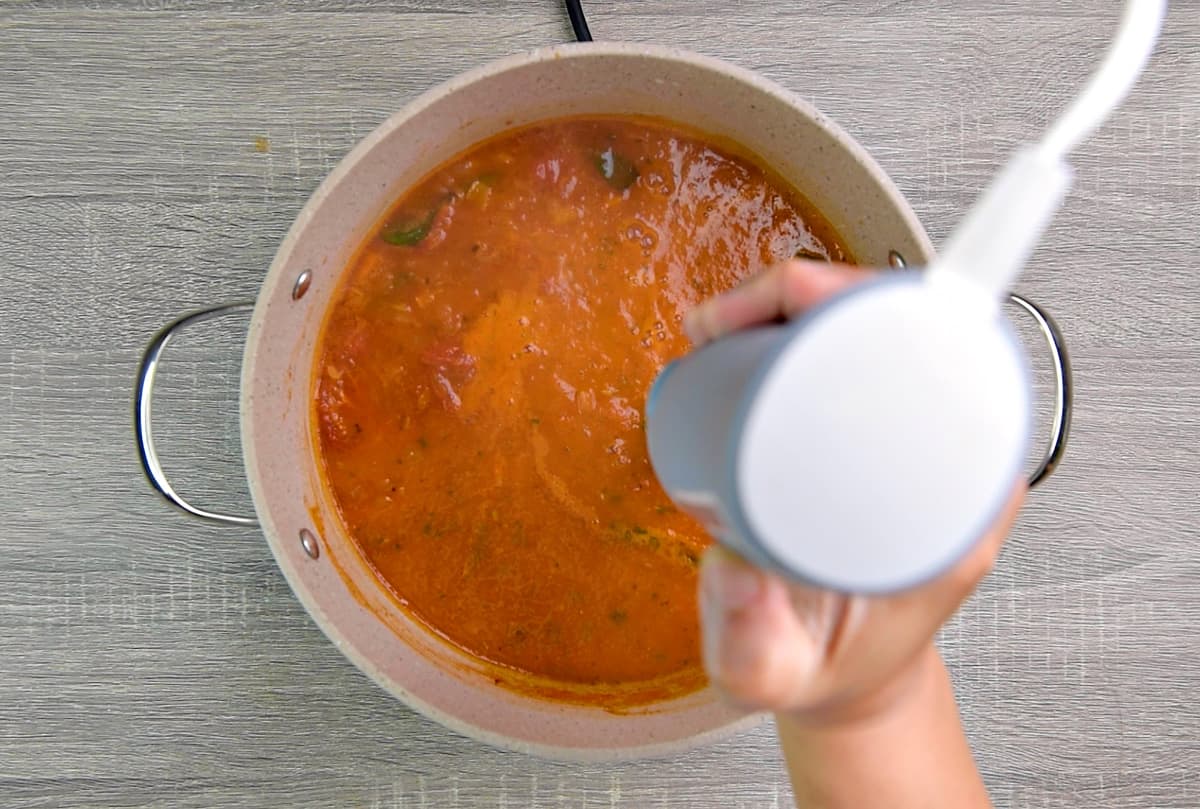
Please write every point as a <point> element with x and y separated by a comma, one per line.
<point>143,396</point>
<point>1064,389</point>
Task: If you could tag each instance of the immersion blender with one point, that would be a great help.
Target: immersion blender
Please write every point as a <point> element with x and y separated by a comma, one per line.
<point>867,445</point>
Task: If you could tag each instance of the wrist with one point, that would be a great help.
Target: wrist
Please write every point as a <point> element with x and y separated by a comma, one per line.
<point>870,704</point>
<point>900,746</point>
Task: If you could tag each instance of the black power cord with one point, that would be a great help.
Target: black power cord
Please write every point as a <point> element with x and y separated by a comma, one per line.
<point>578,21</point>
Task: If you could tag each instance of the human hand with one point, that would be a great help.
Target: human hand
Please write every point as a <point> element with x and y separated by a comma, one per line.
<point>815,655</point>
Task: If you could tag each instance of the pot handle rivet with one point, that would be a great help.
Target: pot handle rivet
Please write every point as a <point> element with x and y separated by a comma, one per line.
<point>308,541</point>
<point>303,282</point>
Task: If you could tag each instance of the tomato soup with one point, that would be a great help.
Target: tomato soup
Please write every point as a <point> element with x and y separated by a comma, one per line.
<point>481,377</point>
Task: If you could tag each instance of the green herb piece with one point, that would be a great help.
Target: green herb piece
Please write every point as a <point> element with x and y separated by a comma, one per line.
<point>617,169</point>
<point>618,616</point>
<point>535,421</point>
<point>411,235</point>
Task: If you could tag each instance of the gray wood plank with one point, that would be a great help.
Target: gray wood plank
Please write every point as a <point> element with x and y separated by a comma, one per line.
<point>149,661</point>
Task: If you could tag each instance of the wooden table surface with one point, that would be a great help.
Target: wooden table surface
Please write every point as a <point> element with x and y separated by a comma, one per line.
<point>152,155</point>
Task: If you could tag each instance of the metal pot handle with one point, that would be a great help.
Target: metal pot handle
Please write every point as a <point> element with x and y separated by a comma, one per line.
<point>1064,389</point>
<point>1064,386</point>
<point>143,396</point>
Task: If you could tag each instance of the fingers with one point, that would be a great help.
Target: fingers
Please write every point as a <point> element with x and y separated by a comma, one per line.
<point>769,645</point>
<point>757,648</point>
<point>784,290</point>
<point>773,645</point>
<point>911,618</point>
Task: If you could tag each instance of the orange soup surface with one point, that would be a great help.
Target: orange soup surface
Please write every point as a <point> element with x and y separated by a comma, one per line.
<point>481,377</point>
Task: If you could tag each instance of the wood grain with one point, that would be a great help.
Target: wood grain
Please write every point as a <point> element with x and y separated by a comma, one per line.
<point>146,660</point>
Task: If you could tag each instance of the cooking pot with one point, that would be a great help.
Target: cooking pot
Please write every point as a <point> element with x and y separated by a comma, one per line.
<point>296,513</point>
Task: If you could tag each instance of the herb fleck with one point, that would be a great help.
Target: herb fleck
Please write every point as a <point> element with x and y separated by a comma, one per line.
<point>409,235</point>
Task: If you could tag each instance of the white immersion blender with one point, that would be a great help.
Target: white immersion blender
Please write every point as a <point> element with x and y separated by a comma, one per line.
<point>866,446</point>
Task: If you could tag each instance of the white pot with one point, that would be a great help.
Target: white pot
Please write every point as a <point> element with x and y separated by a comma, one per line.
<point>297,514</point>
